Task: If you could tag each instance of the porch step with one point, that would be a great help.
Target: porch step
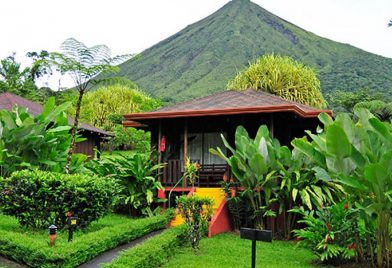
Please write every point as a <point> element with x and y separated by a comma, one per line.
<point>215,194</point>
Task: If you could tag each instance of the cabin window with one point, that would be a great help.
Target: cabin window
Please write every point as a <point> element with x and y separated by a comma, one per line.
<point>199,145</point>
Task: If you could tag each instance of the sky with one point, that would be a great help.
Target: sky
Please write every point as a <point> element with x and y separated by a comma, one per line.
<point>130,26</point>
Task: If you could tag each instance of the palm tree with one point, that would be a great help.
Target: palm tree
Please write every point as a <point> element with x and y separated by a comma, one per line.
<point>83,64</point>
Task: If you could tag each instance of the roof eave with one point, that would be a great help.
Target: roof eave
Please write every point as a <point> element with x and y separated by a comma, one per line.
<point>227,111</point>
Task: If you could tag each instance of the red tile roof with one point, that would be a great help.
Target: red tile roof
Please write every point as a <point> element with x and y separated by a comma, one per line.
<point>230,102</point>
<point>8,100</point>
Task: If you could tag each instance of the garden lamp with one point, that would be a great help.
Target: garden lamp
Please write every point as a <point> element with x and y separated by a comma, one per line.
<point>52,235</point>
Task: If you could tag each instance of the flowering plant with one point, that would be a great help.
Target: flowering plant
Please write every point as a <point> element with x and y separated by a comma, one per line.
<point>191,171</point>
<point>333,233</point>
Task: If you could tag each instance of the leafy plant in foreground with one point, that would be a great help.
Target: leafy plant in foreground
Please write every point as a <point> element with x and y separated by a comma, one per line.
<point>254,165</point>
<point>34,142</point>
<point>358,154</point>
<point>332,233</point>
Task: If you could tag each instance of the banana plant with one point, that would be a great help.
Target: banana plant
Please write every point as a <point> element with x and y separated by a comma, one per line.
<point>303,184</point>
<point>253,163</point>
<point>39,142</point>
<point>358,154</point>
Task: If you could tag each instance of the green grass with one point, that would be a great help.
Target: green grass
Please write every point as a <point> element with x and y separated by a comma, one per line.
<point>228,250</point>
<point>31,246</point>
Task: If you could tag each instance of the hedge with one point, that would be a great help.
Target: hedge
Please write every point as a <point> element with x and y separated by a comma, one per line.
<point>38,198</point>
<point>153,252</point>
<point>27,249</point>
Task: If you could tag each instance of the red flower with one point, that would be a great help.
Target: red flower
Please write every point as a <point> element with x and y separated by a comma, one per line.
<point>352,246</point>
<point>345,206</point>
<point>329,226</point>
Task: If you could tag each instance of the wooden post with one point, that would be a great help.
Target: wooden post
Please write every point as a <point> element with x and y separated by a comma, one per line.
<point>185,146</point>
<point>159,148</point>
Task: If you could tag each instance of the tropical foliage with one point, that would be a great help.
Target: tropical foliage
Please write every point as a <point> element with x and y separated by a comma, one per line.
<point>196,211</point>
<point>100,106</point>
<point>333,233</point>
<point>272,174</point>
<point>282,76</point>
<point>38,199</point>
<point>136,174</point>
<point>253,163</point>
<point>357,154</point>
<point>34,142</point>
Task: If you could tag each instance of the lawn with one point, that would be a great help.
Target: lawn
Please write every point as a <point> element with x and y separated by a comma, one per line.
<point>228,250</point>
<point>31,247</point>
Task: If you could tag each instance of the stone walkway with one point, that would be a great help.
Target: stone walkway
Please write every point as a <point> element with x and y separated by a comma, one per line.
<point>108,256</point>
<point>5,263</point>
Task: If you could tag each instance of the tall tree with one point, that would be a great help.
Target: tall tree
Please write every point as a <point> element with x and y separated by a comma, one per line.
<point>82,64</point>
<point>15,79</point>
<point>282,76</point>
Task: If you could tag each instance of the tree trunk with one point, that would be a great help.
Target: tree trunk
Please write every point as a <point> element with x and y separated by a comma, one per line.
<point>74,131</point>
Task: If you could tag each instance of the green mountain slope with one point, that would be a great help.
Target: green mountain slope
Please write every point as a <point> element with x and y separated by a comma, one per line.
<point>201,58</point>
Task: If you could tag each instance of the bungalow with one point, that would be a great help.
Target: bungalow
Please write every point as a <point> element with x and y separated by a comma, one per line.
<point>93,135</point>
<point>190,128</point>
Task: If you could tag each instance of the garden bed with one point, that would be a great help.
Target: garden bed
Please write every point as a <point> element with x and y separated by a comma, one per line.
<point>31,247</point>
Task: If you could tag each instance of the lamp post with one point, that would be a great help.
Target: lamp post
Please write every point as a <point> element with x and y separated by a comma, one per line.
<point>52,235</point>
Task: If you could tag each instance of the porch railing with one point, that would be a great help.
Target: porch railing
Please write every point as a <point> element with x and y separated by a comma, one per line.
<point>210,175</point>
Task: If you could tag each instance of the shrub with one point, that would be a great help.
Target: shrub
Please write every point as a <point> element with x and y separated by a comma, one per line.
<point>332,233</point>
<point>196,212</point>
<point>33,250</point>
<point>153,252</point>
<point>38,199</point>
<point>136,174</point>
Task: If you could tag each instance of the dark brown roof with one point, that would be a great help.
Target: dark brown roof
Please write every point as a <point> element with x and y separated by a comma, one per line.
<point>8,100</point>
<point>230,102</point>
